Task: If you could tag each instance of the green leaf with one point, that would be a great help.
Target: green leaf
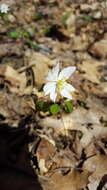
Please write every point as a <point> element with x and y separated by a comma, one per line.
<point>34,45</point>
<point>38,16</point>
<point>25,34</point>
<point>42,106</point>
<point>65,17</point>
<point>2,14</point>
<point>54,109</point>
<point>87,18</point>
<point>52,4</point>
<point>68,106</point>
<point>46,30</point>
<point>14,35</point>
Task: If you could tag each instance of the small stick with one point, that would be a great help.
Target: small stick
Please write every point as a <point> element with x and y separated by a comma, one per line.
<point>25,68</point>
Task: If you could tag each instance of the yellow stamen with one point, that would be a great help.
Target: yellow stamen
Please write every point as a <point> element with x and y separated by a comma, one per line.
<point>60,84</point>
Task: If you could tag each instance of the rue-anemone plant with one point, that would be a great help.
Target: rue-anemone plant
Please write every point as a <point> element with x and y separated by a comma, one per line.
<point>57,88</point>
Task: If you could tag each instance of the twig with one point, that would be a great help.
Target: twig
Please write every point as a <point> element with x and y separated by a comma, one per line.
<point>25,68</point>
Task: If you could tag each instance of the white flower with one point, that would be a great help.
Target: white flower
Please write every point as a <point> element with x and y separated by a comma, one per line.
<point>57,82</point>
<point>4,8</point>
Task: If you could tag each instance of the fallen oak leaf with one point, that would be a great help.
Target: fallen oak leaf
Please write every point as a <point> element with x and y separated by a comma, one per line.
<point>15,81</point>
<point>98,168</point>
<point>40,65</point>
<point>85,120</point>
<point>72,181</point>
<point>44,153</point>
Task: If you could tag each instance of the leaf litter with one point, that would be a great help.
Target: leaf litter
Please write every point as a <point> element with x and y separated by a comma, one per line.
<point>70,149</point>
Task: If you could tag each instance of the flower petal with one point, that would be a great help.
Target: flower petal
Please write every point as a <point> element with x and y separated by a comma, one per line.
<point>49,87</point>
<point>53,75</point>
<point>50,77</point>
<point>66,94</point>
<point>66,73</point>
<point>53,96</point>
<point>68,87</point>
<point>56,69</point>
<point>4,8</point>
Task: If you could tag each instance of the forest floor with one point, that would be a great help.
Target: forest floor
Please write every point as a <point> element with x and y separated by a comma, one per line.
<point>69,150</point>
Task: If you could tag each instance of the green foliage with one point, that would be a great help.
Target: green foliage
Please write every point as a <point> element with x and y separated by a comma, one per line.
<point>34,45</point>
<point>38,16</point>
<point>51,4</point>
<point>54,109</point>
<point>46,30</point>
<point>2,14</point>
<point>36,3</point>
<point>65,17</point>
<point>25,34</point>
<point>68,106</point>
<point>14,34</point>
<point>87,18</point>
<point>19,34</point>
<point>42,106</point>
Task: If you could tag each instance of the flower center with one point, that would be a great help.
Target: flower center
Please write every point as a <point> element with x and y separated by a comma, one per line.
<point>60,84</point>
